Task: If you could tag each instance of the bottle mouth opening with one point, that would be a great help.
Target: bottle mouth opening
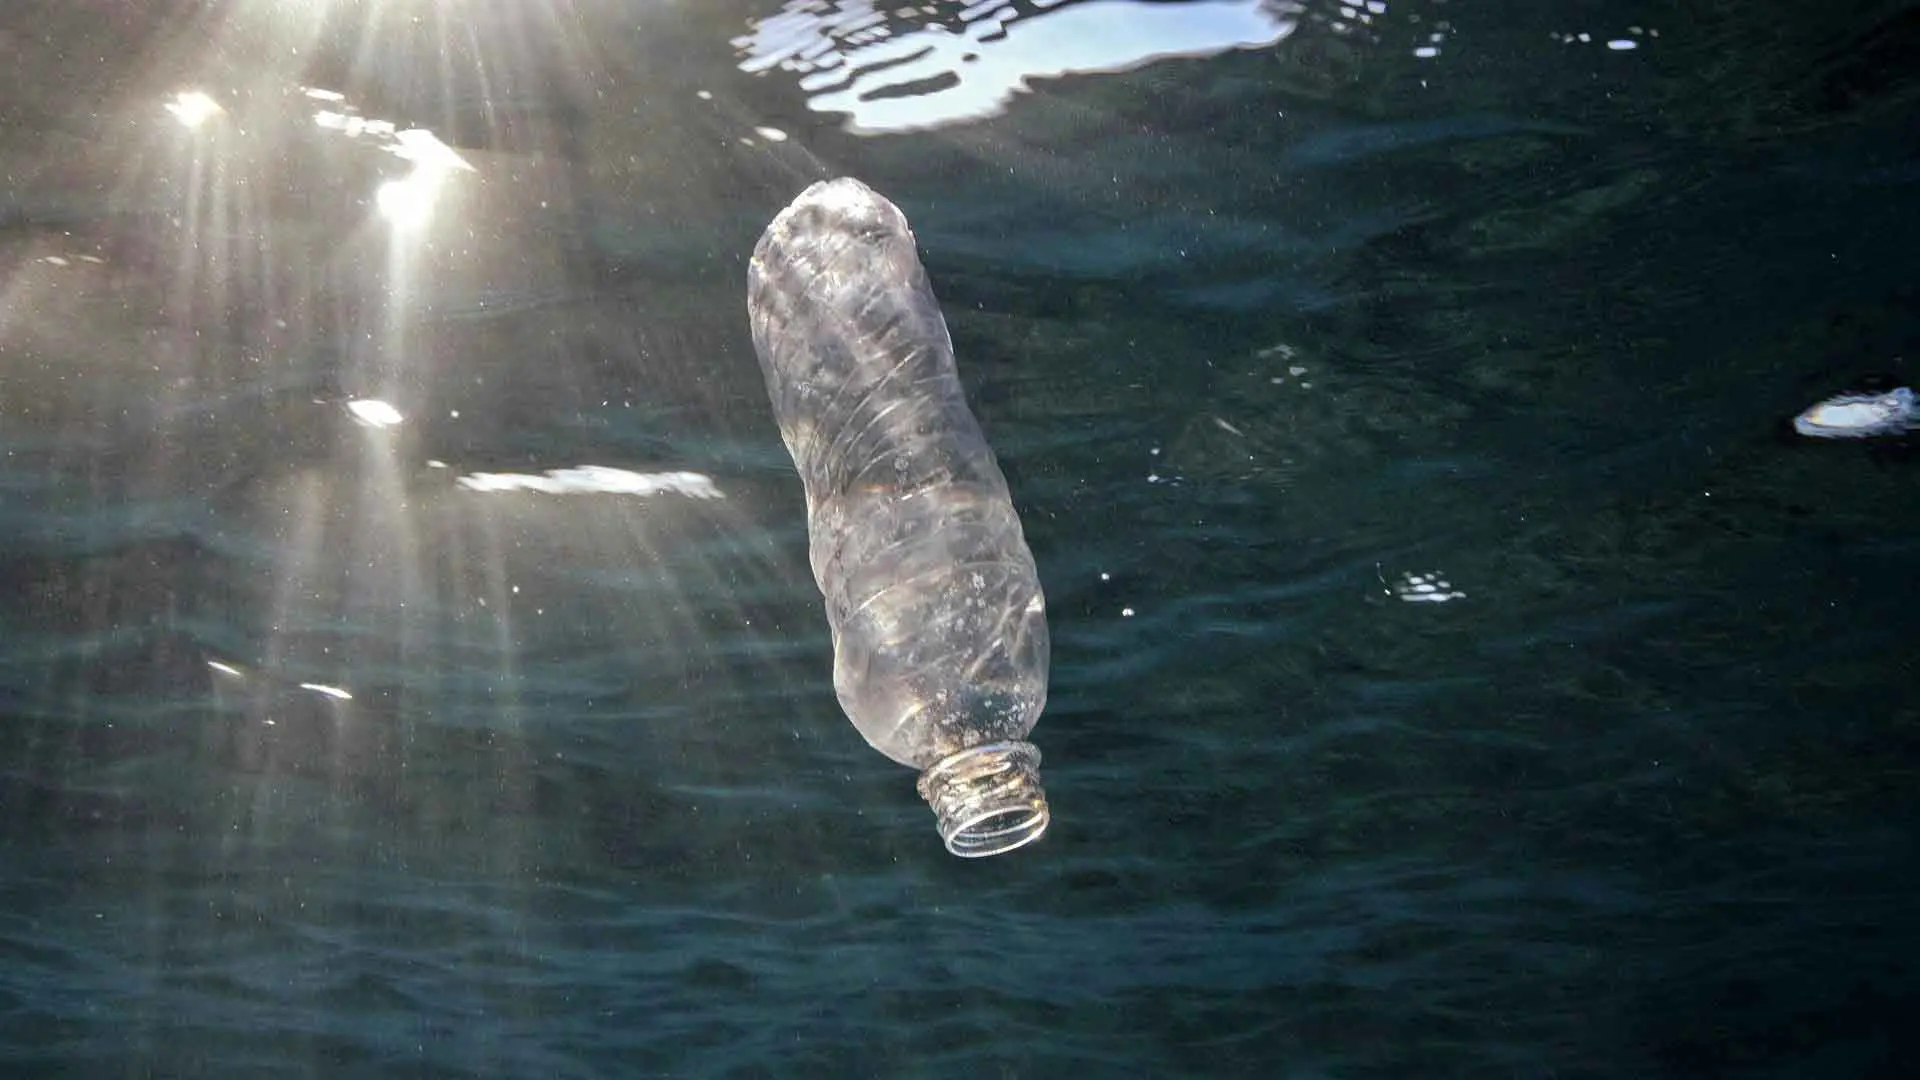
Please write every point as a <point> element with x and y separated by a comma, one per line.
<point>987,798</point>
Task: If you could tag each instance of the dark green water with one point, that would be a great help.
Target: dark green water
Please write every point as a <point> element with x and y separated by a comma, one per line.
<point>315,762</point>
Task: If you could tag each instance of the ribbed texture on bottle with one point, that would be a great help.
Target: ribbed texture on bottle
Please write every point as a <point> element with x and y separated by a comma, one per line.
<point>988,798</point>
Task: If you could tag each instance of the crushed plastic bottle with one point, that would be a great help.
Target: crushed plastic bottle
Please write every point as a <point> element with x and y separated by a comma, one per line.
<point>939,625</point>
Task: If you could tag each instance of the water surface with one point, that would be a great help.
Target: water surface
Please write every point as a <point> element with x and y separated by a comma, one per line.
<point>1459,667</point>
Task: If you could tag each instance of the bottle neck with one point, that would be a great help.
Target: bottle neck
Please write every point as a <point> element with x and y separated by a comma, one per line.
<point>988,798</point>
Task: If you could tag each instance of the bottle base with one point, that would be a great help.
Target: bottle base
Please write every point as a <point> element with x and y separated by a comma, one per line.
<point>988,798</point>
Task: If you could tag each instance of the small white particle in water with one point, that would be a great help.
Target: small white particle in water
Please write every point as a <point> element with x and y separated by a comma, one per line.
<point>1622,44</point>
<point>1104,576</point>
<point>1426,52</point>
<point>1126,613</point>
<point>1584,38</point>
<point>704,95</point>
<point>1297,370</point>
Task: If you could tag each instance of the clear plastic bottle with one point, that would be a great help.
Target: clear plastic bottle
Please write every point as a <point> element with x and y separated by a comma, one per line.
<point>939,625</point>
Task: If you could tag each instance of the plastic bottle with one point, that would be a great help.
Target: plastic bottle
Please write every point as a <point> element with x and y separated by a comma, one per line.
<point>939,625</point>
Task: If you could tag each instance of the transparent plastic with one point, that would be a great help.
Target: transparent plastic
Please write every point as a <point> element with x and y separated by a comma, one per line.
<point>939,625</point>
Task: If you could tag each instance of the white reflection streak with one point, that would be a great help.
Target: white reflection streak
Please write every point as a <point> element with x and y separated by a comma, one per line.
<point>375,413</point>
<point>987,62</point>
<point>335,692</point>
<point>596,480</point>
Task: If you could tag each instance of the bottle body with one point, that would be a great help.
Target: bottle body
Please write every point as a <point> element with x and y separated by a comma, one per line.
<point>938,620</point>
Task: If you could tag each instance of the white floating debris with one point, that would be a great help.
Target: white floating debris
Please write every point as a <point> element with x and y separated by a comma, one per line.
<point>1861,416</point>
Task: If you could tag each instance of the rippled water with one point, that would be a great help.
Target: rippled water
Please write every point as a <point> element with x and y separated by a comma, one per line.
<point>1460,667</point>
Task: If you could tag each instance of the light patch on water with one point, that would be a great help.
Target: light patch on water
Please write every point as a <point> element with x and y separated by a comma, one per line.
<point>337,693</point>
<point>375,413</point>
<point>596,480</point>
<point>193,108</point>
<point>1861,416</point>
<point>1431,587</point>
<point>920,74</point>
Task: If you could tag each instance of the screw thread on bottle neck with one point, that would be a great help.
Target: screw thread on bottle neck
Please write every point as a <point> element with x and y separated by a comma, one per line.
<point>988,798</point>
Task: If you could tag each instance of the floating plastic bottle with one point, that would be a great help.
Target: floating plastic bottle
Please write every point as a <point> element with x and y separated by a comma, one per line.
<point>939,625</point>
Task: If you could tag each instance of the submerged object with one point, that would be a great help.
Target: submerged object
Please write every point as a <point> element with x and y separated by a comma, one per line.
<point>939,625</point>
<point>1861,416</point>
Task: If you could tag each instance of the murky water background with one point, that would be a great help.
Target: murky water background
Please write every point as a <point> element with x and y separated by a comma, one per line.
<point>1459,666</point>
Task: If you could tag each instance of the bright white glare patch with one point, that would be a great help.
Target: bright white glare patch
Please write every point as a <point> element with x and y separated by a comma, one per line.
<point>1861,416</point>
<point>192,108</point>
<point>408,201</point>
<point>424,148</point>
<point>331,691</point>
<point>374,412</point>
<point>596,480</point>
<point>1619,44</point>
<point>226,669</point>
<point>1428,588</point>
<point>353,125</point>
<point>925,76</point>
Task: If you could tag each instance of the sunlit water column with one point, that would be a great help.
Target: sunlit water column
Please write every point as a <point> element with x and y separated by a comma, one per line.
<point>471,168</point>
